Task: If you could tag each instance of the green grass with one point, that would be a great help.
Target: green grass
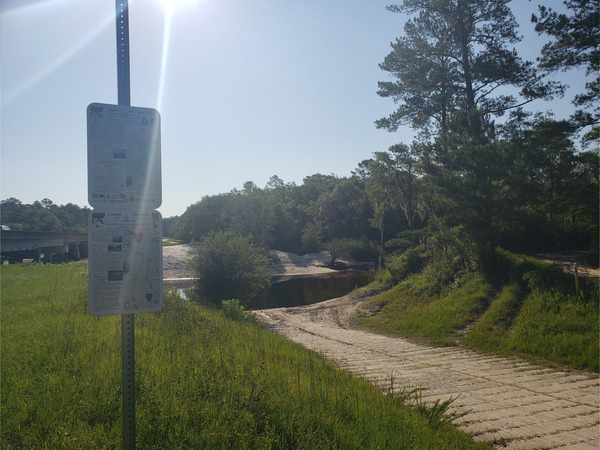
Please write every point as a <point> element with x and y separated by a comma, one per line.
<point>202,381</point>
<point>493,330</point>
<point>533,311</point>
<point>410,309</point>
<point>170,241</point>
<point>561,328</point>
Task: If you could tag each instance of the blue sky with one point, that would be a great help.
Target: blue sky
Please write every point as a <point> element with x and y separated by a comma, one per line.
<point>245,89</point>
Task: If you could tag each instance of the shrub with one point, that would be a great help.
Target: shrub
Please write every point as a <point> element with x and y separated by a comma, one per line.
<point>453,257</point>
<point>233,310</point>
<point>229,266</point>
<point>406,240</point>
<point>409,262</point>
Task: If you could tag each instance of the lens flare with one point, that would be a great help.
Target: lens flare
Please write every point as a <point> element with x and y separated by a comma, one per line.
<point>170,7</point>
<point>35,9</point>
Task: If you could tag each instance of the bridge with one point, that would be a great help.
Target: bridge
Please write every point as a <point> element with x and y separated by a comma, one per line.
<point>41,245</point>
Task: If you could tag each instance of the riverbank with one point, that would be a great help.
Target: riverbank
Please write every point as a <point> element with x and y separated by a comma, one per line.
<point>283,266</point>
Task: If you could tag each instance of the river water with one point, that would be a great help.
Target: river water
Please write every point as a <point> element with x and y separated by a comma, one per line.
<point>304,290</point>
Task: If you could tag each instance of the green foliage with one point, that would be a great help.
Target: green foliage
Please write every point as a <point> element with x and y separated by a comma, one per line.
<point>520,185</point>
<point>228,266</point>
<point>59,383</point>
<point>534,310</point>
<point>358,250</point>
<point>467,167</point>
<point>437,414</point>
<point>283,216</point>
<point>452,256</point>
<point>443,258</point>
<point>233,310</point>
<point>559,327</point>
<point>394,185</point>
<point>406,240</point>
<point>554,190</point>
<point>169,225</point>
<point>538,313</point>
<point>168,242</point>
<point>452,57</point>
<point>201,218</point>
<point>312,237</point>
<point>575,44</point>
<point>202,381</point>
<point>343,211</point>
<point>43,216</point>
<point>493,330</point>
<point>413,309</point>
<point>411,261</point>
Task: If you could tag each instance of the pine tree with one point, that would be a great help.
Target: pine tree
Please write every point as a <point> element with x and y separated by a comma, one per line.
<point>454,56</point>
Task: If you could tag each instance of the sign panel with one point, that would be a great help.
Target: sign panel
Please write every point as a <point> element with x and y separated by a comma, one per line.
<point>123,157</point>
<point>125,262</point>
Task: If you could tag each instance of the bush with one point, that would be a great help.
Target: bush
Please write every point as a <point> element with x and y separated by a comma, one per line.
<point>406,240</point>
<point>409,262</point>
<point>453,257</point>
<point>233,310</point>
<point>229,266</point>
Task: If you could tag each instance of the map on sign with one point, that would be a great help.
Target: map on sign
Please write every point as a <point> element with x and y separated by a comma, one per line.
<point>125,262</point>
<point>123,157</point>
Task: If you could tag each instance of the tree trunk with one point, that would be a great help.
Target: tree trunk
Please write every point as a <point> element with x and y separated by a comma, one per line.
<point>466,63</point>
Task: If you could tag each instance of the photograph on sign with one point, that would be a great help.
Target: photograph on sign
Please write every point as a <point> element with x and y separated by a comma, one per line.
<point>125,262</point>
<point>123,157</point>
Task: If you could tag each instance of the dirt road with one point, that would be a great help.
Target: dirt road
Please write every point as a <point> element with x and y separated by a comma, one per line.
<point>509,402</point>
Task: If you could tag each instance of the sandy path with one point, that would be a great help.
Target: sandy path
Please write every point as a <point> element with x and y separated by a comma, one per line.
<point>174,262</point>
<point>511,402</point>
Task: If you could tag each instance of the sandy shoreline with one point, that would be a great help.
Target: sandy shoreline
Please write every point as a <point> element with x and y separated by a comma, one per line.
<point>283,265</point>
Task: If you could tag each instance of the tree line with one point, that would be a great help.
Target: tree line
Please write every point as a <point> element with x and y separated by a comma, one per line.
<point>481,163</point>
<point>43,215</point>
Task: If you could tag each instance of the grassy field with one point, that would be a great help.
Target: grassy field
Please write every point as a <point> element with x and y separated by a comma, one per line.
<point>531,310</point>
<point>202,381</point>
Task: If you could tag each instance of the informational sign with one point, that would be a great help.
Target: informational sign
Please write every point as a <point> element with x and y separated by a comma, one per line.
<point>123,157</point>
<point>125,262</point>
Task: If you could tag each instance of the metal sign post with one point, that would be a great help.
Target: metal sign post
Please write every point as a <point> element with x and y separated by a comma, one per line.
<point>122,22</point>
<point>128,366</point>
<point>127,320</point>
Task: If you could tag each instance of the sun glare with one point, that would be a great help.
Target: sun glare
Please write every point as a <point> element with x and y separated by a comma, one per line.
<point>172,6</point>
<point>33,10</point>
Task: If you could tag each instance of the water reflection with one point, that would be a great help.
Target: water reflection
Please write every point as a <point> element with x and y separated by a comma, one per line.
<point>308,290</point>
<point>298,291</point>
<point>183,293</point>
